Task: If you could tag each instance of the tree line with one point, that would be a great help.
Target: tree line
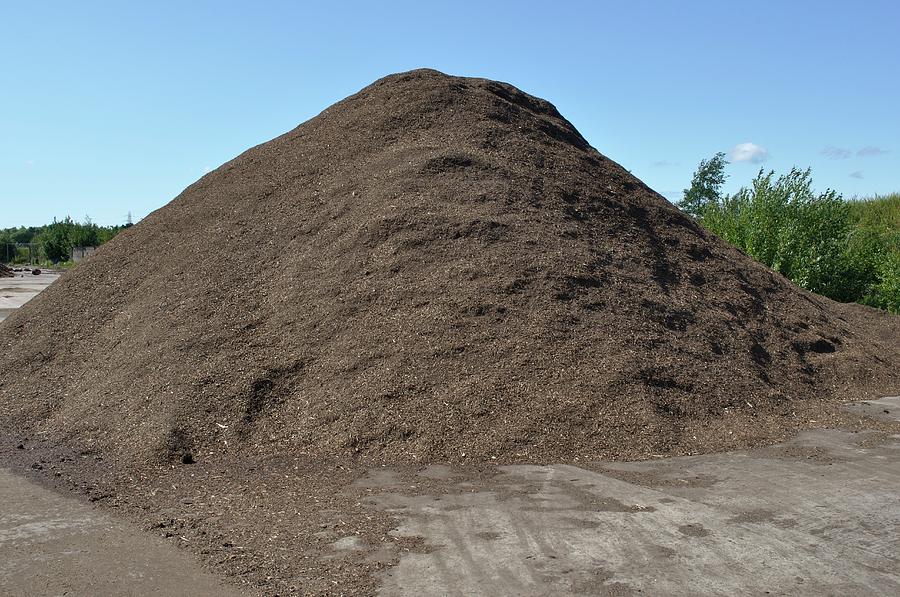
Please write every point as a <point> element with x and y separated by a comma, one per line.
<point>53,242</point>
<point>847,250</point>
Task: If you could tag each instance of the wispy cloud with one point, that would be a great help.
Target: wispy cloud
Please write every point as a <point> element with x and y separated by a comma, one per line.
<point>836,153</point>
<point>870,151</point>
<point>748,152</point>
<point>857,174</point>
<point>29,163</point>
<point>663,164</point>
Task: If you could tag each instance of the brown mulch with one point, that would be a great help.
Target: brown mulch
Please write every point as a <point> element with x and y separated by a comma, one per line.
<point>436,269</point>
<point>6,272</point>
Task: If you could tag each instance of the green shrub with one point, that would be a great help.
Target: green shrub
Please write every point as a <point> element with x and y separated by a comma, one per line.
<point>877,232</point>
<point>881,214</point>
<point>845,250</point>
<point>885,293</point>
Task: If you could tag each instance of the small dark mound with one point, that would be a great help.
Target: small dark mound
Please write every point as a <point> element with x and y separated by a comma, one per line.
<point>435,266</point>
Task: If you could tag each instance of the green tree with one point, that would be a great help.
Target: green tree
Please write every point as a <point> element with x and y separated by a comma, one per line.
<point>706,186</point>
<point>56,240</point>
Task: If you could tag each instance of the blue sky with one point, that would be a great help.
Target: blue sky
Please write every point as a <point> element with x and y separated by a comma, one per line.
<point>111,107</point>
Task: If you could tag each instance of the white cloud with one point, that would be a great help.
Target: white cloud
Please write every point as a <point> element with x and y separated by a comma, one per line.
<point>869,151</point>
<point>857,174</point>
<point>207,169</point>
<point>29,163</point>
<point>836,153</point>
<point>748,152</point>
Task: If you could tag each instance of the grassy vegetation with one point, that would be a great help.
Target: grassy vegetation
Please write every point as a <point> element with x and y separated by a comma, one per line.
<point>52,243</point>
<point>848,250</point>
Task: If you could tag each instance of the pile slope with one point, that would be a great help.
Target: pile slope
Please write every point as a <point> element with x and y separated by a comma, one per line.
<point>435,268</point>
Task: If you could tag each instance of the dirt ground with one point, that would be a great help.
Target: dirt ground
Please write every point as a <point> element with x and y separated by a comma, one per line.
<point>815,516</point>
<point>812,516</point>
<point>55,545</point>
<point>435,269</point>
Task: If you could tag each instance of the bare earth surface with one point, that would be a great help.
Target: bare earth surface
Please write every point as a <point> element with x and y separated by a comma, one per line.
<point>435,269</point>
<point>51,544</point>
<point>817,515</point>
<point>55,545</point>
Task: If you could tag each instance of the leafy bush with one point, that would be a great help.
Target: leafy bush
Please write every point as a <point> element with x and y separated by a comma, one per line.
<point>881,214</point>
<point>876,234</point>
<point>845,250</point>
<point>885,293</point>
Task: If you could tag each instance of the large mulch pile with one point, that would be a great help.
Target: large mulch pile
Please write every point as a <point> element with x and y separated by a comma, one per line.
<point>435,269</point>
<point>6,272</point>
